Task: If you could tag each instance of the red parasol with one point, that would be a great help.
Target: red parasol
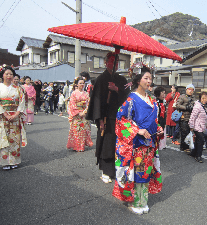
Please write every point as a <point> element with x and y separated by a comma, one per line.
<point>118,35</point>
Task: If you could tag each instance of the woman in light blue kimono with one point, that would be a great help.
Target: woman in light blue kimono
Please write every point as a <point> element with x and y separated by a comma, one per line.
<point>136,160</point>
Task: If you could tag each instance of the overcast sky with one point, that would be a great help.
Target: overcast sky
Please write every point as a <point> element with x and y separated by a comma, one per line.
<point>32,18</point>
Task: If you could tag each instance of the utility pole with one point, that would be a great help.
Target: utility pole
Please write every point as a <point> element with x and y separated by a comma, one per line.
<point>78,12</point>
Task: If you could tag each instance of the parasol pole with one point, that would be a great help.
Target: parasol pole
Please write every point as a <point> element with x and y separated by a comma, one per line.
<point>117,51</point>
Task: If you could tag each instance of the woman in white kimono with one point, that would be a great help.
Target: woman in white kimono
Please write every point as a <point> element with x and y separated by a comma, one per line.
<point>12,119</point>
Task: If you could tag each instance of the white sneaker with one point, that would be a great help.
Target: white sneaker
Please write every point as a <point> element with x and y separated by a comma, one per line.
<point>14,166</point>
<point>6,168</point>
<point>105,178</point>
<point>137,210</point>
<point>145,209</point>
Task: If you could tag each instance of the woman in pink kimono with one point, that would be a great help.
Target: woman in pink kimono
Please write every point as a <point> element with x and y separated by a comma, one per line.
<point>80,130</point>
<point>12,119</point>
<point>30,100</point>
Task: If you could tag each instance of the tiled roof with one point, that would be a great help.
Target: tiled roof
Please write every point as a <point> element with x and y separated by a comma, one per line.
<point>188,44</point>
<point>71,41</point>
<point>174,68</point>
<point>31,42</point>
<point>194,53</point>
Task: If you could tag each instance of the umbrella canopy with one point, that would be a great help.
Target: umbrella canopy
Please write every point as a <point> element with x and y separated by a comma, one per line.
<point>116,34</point>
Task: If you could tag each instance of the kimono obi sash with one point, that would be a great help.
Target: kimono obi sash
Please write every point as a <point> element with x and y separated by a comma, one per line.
<point>81,104</point>
<point>145,117</point>
<point>9,104</point>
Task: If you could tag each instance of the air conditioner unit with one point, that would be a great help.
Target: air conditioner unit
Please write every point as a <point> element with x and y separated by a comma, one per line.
<point>42,64</point>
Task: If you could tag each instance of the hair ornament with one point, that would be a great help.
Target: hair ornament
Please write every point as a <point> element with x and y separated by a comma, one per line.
<point>137,68</point>
<point>4,66</point>
<point>75,80</point>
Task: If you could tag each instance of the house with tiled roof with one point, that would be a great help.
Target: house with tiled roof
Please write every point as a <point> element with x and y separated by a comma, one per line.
<point>62,49</point>
<point>186,48</point>
<point>172,72</point>
<point>32,51</point>
<point>198,60</point>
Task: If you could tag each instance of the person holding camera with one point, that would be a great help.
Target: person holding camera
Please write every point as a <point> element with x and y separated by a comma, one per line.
<point>185,104</point>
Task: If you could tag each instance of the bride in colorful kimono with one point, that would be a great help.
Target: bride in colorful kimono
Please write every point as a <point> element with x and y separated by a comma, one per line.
<point>136,158</point>
<point>30,100</point>
<point>80,130</point>
<point>12,119</point>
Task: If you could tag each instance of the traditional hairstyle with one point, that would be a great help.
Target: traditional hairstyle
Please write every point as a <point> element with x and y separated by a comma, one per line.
<point>201,94</point>
<point>4,68</point>
<point>77,79</point>
<point>138,77</point>
<point>158,90</point>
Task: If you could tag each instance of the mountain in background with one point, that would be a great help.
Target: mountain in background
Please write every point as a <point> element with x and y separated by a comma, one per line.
<point>177,26</point>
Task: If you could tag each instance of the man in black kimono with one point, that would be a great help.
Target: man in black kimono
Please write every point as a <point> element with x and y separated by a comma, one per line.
<point>107,96</point>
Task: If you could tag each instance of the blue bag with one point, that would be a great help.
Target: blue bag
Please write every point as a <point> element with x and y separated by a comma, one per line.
<point>176,115</point>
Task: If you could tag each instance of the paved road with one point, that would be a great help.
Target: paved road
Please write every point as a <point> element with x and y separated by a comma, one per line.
<point>58,186</point>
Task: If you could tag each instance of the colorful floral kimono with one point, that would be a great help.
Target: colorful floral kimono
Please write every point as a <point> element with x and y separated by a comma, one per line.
<point>30,93</point>
<point>80,130</point>
<point>12,99</point>
<point>137,159</point>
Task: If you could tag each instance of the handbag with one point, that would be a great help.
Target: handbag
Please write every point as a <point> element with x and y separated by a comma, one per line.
<point>176,115</point>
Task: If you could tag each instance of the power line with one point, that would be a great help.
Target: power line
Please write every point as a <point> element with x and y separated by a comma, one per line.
<point>119,10</point>
<point>48,12</point>
<point>154,8</point>
<point>10,13</point>
<point>151,10</point>
<point>161,7</point>
<point>102,12</point>
<point>162,17</point>
<point>8,10</point>
<point>2,3</point>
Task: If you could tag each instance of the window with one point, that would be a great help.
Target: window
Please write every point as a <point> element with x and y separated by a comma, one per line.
<point>139,59</point>
<point>71,57</point>
<point>83,58</point>
<point>54,57</point>
<point>121,65</point>
<point>101,63</point>
<point>36,58</point>
<point>25,59</point>
<point>96,62</point>
<point>89,58</point>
